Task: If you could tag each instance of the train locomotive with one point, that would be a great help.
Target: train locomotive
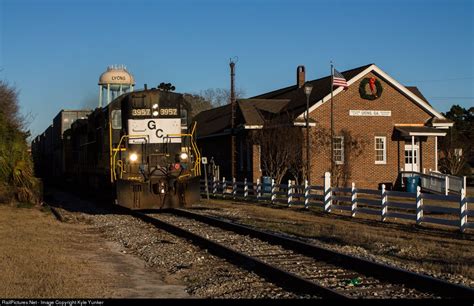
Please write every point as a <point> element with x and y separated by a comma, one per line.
<point>139,148</point>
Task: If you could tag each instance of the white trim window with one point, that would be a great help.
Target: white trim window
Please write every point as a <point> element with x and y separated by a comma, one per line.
<point>338,150</point>
<point>380,149</point>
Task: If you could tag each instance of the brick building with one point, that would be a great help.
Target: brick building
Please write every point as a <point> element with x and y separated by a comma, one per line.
<point>381,127</point>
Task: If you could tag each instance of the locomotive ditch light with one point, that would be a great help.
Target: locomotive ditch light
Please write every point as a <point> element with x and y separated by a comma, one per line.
<point>133,157</point>
<point>183,156</point>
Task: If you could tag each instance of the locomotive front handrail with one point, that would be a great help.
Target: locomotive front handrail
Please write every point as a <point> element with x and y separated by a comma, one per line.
<point>114,151</point>
<point>197,162</point>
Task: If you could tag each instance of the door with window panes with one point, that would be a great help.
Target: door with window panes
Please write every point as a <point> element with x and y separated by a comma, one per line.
<point>412,160</point>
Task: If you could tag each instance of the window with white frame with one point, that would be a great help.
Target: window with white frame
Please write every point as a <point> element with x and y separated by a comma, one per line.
<point>380,150</point>
<point>338,149</point>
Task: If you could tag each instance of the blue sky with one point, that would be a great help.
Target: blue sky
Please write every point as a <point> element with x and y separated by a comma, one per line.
<point>55,51</point>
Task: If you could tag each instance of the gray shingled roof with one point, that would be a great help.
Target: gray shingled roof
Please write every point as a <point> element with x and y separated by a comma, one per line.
<point>254,112</point>
<point>213,121</point>
<point>258,108</point>
<point>321,88</point>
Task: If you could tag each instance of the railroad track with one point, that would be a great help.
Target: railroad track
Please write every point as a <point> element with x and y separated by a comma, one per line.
<point>300,267</point>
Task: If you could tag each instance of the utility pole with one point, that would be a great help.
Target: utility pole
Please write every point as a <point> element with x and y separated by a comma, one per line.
<point>332,122</point>
<point>232,124</point>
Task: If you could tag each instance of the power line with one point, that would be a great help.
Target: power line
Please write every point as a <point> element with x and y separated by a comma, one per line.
<point>450,97</point>
<point>441,80</point>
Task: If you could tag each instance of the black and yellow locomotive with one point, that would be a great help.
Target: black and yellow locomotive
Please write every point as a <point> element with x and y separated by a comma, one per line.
<point>139,148</point>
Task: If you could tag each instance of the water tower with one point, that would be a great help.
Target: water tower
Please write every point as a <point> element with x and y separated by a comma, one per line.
<point>115,81</point>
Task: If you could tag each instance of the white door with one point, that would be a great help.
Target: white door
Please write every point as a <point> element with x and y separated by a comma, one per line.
<point>412,162</point>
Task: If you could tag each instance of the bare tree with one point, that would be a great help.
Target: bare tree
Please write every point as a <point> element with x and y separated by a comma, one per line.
<point>280,147</point>
<point>220,96</point>
<point>454,160</point>
<point>457,148</point>
<point>353,147</point>
<point>197,104</point>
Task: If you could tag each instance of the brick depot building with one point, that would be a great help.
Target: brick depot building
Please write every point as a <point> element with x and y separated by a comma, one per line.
<point>379,126</point>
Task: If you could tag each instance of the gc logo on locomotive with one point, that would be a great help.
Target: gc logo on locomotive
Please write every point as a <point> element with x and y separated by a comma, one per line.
<point>155,130</point>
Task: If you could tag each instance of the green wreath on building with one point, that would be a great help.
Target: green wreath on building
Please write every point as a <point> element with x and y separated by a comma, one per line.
<point>375,89</point>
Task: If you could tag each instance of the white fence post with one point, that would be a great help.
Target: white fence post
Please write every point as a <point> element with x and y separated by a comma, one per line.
<point>419,206</point>
<point>353,200</point>
<point>306,194</point>
<point>384,204</point>
<point>214,186</point>
<point>290,198</point>
<point>246,189</point>
<point>259,190</point>
<point>327,192</point>
<point>463,211</point>
<point>234,188</point>
<point>223,187</point>
<point>273,195</point>
<point>446,185</point>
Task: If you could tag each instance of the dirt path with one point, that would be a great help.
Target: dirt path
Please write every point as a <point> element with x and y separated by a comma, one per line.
<point>43,258</point>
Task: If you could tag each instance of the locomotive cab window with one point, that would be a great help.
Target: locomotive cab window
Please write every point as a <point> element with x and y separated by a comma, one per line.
<point>116,119</point>
<point>184,118</point>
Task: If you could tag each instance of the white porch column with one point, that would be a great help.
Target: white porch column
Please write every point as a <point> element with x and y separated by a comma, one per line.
<point>412,153</point>
<point>436,153</point>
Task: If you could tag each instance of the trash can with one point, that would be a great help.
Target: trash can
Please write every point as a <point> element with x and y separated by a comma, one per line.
<point>267,184</point>
<point>412,183</point>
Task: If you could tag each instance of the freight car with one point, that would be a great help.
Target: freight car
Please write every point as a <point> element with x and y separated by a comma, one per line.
<point>139,148</point>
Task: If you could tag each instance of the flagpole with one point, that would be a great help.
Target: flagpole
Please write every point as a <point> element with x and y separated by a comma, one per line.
<point>332,122</point>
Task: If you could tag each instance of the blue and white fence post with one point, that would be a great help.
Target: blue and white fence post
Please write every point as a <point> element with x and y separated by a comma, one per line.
<point>327,192</point>
<point>446,185</point>
<point>259,190</point>
<point>214,186</point>
<point>273,195</point>
<point>289,191</point>
<point>223,187</point>
<point>383,216</point>
<point>463,211</point>
<point>234,188</point>
<point>246,189</point>
<point>353,200</point>
<point>306,194</point>
<point>419,206</point>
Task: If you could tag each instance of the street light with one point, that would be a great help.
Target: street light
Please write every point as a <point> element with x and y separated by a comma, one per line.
<point>307,90</point>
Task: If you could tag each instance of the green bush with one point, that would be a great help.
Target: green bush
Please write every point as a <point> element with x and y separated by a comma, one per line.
<point>17,179</point>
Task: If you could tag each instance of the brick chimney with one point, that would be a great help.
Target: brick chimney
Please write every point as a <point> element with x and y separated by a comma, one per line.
<point>300,76</point>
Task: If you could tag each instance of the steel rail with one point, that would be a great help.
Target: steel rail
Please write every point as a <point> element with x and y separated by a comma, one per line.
<point>388,273</point>
<point>273,274</point>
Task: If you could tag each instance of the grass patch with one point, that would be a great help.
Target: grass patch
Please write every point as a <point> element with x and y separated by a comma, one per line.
<point>25,205</point>
<point>43,258</point>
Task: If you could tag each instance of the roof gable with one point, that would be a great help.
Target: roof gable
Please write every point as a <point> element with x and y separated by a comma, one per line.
<point>373,68</point>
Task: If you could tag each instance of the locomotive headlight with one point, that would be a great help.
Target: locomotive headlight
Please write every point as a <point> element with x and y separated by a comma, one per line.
<point>155,106</point>
<point>133,157</point>
<point>183,156</point>
<point>155,113</point>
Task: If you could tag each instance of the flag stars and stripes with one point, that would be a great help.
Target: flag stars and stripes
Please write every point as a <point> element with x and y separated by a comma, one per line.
<point>338,79</point>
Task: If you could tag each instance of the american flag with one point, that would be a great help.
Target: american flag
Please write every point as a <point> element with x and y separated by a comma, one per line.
<point>338,79</point>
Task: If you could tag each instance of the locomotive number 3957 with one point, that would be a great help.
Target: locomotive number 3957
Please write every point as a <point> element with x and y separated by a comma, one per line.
<point>168,111</point>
